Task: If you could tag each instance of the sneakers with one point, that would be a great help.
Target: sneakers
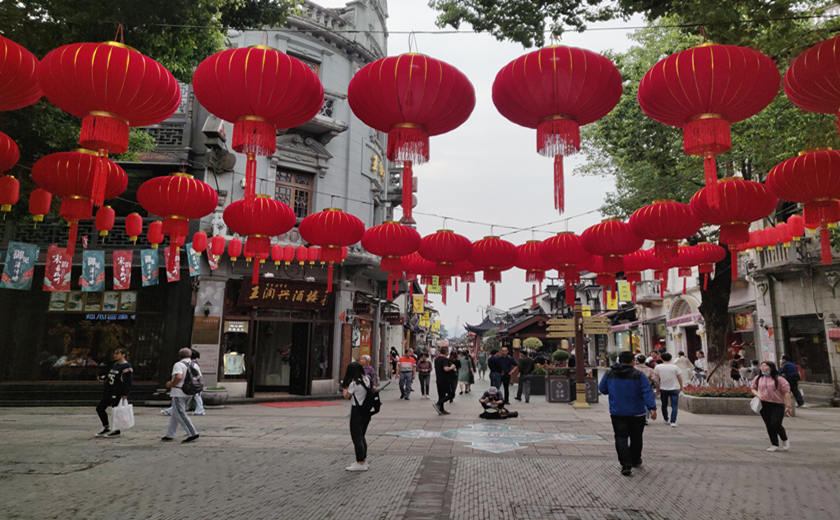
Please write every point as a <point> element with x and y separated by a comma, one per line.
<point>165,439</point>
<point>785,445</point>
<point>357,467</point>
<point>627,471</point>
<point>772,448</point>
<point>199,413</point>
<point>104,432</point>
<point>190,439</point>
<point>115,433</point>
<point>674,424</point>
<point>164,412</point>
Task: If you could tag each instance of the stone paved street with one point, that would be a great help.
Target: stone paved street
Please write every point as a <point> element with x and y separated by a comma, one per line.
<point>259,462</point>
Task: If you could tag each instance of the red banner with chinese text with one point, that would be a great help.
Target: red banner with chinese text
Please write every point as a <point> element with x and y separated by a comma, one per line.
<point>122,269</point>
<point>57,270</point>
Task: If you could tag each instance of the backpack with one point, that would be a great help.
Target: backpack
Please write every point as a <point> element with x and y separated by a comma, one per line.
<point>372,403</point>
<point>193,383</point>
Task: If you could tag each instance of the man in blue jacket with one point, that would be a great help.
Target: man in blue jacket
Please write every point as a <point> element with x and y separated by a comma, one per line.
<point>630,398</point>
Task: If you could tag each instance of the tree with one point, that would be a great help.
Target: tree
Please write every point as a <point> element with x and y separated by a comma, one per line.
<point>532,344</point>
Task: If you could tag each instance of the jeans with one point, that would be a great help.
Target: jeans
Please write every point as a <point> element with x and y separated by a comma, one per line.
<point>628,427</point>
<point>506,391</point>
<point>358,427</point>
<point>443,389</point>
<point>424,383</point>
<point>794,389</point>
<point>524,384</point>
<point>405,383</point>
<point>496,379</point>
<point>179,416</point>
<point>674,397</point>
<point>199,405</point>
<point>106,401</point>
<point>773,414</point>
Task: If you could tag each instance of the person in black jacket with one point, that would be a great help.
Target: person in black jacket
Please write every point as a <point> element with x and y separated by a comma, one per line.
<point>117,385</point>
<point>443,366</point>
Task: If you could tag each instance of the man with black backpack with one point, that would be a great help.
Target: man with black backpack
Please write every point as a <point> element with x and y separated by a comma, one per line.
<point>186,381</point>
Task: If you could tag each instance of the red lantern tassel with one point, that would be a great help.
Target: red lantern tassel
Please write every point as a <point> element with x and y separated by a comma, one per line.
<point>559,194</point>
<point>468,293</point>
<point>456,284</point>
<point>407,191</point>
<point>71,238</point>
<point>493,294</point>
<point>100,179</point>
<point>250,176</point>
<point>329,277</point>
<point>104,131</point>
<point>255,274</point>
<point>733,262</point>
<point>705,281</point>
<point>570,294</point>
<point>533,295</point>
<point>443,294</point>
<point>710,169</point>
<point>825,244</point>
<point>685,282</point>
<point>170,262</point>
<point>662,288</point>
<point>604,294</point>
<point>389,292</point>
<point>633,291</point>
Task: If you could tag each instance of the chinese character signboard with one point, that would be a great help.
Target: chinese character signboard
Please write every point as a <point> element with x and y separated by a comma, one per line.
<point>612,300</point>
<point>174,274</point>
<point>285,294</point>
<point>624,294</point>
<point>57,270</point>
<point>418,305</point>
<point>122,269</point>
<point>20,266</point>
<point>149,266</point>
<point>434,287</point>
<point>193,260</point>
<point>93,271</point>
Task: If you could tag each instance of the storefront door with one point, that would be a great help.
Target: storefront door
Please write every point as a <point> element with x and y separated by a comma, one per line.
<point>692,342</point>
<point>282,357</point>
<point>805,345</point>
<point>299,379</point>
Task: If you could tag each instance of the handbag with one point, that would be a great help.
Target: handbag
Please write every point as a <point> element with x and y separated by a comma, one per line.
<point>122,415</point>
<point>755,404</point>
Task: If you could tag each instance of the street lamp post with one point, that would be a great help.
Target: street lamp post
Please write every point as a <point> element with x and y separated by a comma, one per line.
<point>580,363</point>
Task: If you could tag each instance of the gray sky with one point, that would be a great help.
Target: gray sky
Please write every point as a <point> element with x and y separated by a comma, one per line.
<point>487,170</point>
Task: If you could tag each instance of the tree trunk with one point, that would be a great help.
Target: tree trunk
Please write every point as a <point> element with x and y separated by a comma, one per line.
<point>715,311</point>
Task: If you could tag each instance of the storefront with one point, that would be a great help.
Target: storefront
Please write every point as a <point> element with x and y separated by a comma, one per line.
<point>275,336</point>
<point>805,344</point>
<point>741,338</point>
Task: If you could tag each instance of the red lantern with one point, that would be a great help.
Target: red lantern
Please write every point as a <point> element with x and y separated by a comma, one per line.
<point>277,254</point>
<point>9,186</point>
<point>391,240</point>
<point>19,70</point>
<point>528,258</point>
<point>70,176</point>
<point>703,90</point>
<point>611,239</point>
<point>604,275</point>
<point>445,247</point>
<point>665,222</point>
<point>784,233</point>
<point>685,259</point>
<point>302,254</point>
<point>797,226</point>
<point>288,254</point>
<point>634,264</point>
<point>234,249</point>
<point>104,221</point>
<point>565,253</point>
<point>811,81</point>
<point>258,89</point>
<point>199,242</point>
<point>331,229</point>
<point>740,202</point>
<point>812,178</point>
<point>259,220</point>
<point>40,201</point>
<point>133,226</point>
<point>155,234</point>
<point>217,246</point>
<point>557,90</point>
<point>411,97</point>
<point>9,152</point>
<point>177,198</point>
<point>708,255</point>
<point>314,254</point>
<point>493,255</point>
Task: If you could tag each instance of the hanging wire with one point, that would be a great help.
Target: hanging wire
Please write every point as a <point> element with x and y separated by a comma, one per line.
<point>412,42</point>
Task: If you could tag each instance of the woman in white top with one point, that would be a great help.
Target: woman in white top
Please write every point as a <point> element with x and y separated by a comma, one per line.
<point>356,385</point>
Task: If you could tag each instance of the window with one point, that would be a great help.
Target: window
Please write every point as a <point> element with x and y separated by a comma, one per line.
<point>295,189</point>
<point>312,64</point>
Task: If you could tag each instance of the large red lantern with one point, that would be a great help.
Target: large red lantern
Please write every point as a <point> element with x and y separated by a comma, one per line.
<point>812,178</point>
<point>703,90</point>
<point>528,258</point>
<point>18,76</point>
<point>40,201</point>
<point>565,252</point>
<point>391,240</point>
<point>811,81</point>
<point>410,97</point>
<point>70,176</point>
<point>493,255</point>
<point>740,202</point>
<point>259,220</point>
<point>557,90</point>
<point>259,89</point>
<point>177,198</point>
<point>445,247</point>
<point>665,222</point>
<point>332,229</point>
<point>611,239</point>
<point>9,186</point>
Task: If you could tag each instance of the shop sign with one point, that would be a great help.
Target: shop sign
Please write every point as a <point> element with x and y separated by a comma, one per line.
<point>418,303</point>
<point>284,294</point>
<point>612,300</point>
<point>436,325</point>
<point>744,322</point>
<point>108,317</point>
<point>93,271</point>
<point>624,293</point>
<point>434,287</point>
<point>57,270</point>
<point>20,266</point>
<point>236,326</point>
<point>688,318</point>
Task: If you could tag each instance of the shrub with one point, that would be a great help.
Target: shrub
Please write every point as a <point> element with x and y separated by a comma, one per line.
<point>538,371</point>
<point>716,391</point>
<point>560,355</point>
<point>532,343</point>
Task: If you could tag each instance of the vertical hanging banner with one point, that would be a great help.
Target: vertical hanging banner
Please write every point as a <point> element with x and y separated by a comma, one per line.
<point>93,271</point>
<point>57,270</point>
<point>211,259</point>
<point>20,266</point>
<point>624,293</point>
<point>122,269</point>
<point>418,303</point>
<point>149,266</point>
<point>174,274</point>
<point>612,301</point>
<point>193,260</point>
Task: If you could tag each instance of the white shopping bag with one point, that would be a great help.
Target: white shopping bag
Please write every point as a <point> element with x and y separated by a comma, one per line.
<point>122,415</point>
<point>755,404</point>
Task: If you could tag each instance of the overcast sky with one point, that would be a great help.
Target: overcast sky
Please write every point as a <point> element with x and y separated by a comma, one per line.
<point>488,170</point>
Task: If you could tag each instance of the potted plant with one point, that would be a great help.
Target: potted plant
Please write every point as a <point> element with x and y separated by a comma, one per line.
<point>215,396</point>
<point>560,356</point>
<point>537,379</point>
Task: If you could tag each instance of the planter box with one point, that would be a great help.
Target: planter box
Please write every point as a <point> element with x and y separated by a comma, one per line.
<point>716,405</point>
<point>214,397</point>
<point>558,389</point>
<point>537,384</point>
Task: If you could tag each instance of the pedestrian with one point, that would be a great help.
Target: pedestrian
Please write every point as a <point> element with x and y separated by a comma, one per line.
<point>443,366</point>
<point>790,372</point>
<point>670,384</point>
<point>179,398</point>
<point>631,397</point>
<point>494,406</point>
<point>196,398</point>
<point>482,364</point>
<point>700,368</point>
<point>117,386</point>
<point>685,366</point>
<point>774,393</point>
<point>394,356</point>
<point>424,373</point>
<point>465,370</point>
<point>406,365</point>
<point>649,374</point>
<point>735,370</point>
<point>525,367</point>
<point>453,375</point>
<point>356,387</point>
<point>364,360</point>
<point>495,371</point>
<point>471,362</point>
<point>507,368</point>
